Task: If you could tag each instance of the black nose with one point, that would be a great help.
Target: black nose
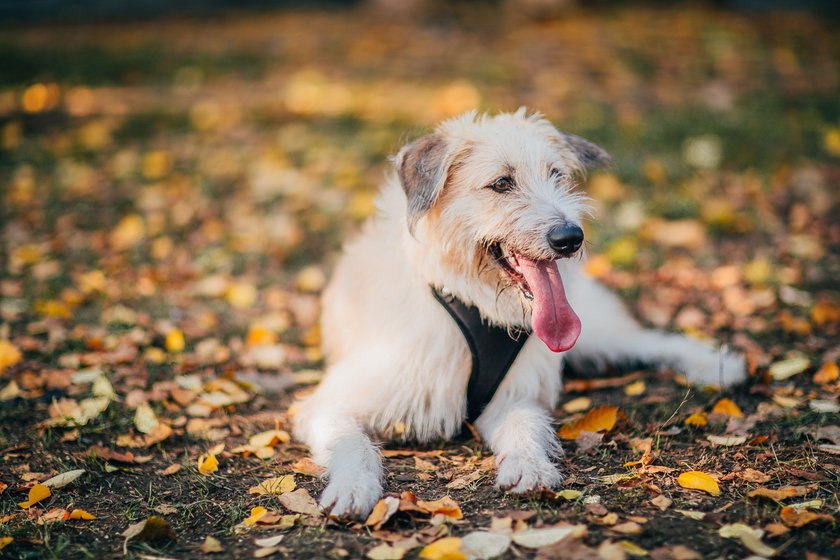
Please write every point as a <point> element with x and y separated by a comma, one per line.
<point>565,239</point>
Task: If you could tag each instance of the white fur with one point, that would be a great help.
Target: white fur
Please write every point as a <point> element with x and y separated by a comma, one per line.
<point>398,365</point>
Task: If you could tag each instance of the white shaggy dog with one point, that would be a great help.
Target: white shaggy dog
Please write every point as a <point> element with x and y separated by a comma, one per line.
<point>484,208</point>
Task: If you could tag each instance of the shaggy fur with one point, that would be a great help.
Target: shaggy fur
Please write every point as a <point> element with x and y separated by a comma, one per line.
<point>398,365</point>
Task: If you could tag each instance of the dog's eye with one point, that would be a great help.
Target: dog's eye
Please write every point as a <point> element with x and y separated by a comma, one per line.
<point>502,184</point>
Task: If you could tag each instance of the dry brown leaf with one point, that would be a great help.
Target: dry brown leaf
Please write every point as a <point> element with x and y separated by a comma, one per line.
<point>782,493</point>
<point>793,517</point>
<point>752,475</point>
<point>278,485</point>
<point>307,466</point>
<point>300,501</point>
<point>153,529</point>
<point>445,506</point>
<point>382,512</point>
<point>211,545</point>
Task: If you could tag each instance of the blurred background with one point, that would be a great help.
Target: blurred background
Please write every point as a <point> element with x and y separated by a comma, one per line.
<point>204,162</point>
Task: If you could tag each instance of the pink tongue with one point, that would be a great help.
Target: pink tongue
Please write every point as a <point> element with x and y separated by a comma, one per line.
<point>552,318</point>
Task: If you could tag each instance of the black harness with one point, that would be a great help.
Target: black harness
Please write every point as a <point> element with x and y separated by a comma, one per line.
<point>493,351</point>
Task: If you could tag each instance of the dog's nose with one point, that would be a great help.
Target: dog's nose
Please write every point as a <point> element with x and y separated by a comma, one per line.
<point>566,239</point>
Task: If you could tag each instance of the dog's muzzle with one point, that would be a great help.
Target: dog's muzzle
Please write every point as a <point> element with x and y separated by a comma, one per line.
<point>566,239</point>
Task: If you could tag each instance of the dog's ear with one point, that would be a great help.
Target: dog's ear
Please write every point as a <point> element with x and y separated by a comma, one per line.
<point>422,167</point>
<point>591,156</point>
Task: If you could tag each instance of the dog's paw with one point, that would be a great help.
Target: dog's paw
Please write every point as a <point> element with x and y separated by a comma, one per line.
<point>351,496</point>
<point>520,474</point>
<point>722,368</point>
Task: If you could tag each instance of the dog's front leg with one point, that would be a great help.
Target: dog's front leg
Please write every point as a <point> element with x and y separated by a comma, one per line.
<point>353,462</point>
<point>526,447</point>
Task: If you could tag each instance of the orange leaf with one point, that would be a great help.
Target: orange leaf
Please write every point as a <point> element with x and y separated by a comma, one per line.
<point>81,514</point>
<point>55,514</point>
<point>36,494</point>
<point>696,480</point>
<point>9,355</point>
<point>446,506</point>
<point>727,408</point>
<point>828,373</point>
<point>795,518</point>
<point>600,419</point>
<point>208,465</point>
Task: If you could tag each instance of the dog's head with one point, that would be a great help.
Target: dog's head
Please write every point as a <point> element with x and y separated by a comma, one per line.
<point>496,195</point>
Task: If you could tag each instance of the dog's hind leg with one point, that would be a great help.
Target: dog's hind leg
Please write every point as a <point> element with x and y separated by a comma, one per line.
<point>353,463</point>
<point>610,335</point>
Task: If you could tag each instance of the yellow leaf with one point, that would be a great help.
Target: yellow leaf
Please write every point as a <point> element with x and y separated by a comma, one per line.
<point>597,420</point>
<point>128,232</point>
<point>81,514</point>
<point>278,485</point>
<point>831,141</point>
<point>269,438</point>
<point>578,404</point>
<point>175,341</point>
<point>211,545</point>
<point>208,465</point>
<point>789,367</point>
<point>53,308</point>
<point>257,513</point>
<point>568,494</point>
<point>635,389</point>
<point>697,419</point>
<point>9,355</point>
<point>36,494</point>
<point>727,408</point>
<point>5,541</point>
<point>632,549</point>
<point>697,480</point>
<point>828,373</point>
<point>241,295</point>
<point>448,548</point>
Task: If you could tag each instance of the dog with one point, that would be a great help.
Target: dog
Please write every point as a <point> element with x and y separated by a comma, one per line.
<point>486,211</point>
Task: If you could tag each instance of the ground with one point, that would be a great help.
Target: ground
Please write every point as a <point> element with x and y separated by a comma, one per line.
<point>173,196</point>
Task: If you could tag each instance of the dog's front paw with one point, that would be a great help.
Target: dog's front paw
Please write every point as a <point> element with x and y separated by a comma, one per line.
<point>722,368</point>
<point>520,474</point>
<point>351,495</point>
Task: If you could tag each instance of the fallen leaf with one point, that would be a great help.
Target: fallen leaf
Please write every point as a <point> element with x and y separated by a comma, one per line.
<point>174,341</point>
<point>300,501</point>
<point>308,467</point>
<point>782,493</point>
<point>728,408</point>
<point>266,552</point>
<point>10,391</point>
<point>208,465</point>
<point>81,514</point>
<point>484,545</point>
<point>170,470</point>
<point>750,538</point>
<point>447,548</point>
<point>153,529</point>
<point>257,513</point>
<point>145,419</point>
<point>423,465</point>
<point>382,512</point>
<point>36,494</point>
<point>784,369</point>
<point>5,541</point>
<point>697,480</point>
<point>691,514</point>
<point>267,542</point>
<point>537,538</point>
<point>776,529</point>
<point>752,475</point>
<point>9,355</point>
<point>578,404</point>
<point>662,502</point>
<point>698,419</point>
<point>823,406</point>
<point>385,551</point>
<point>726,441</point>
<point>278,485</point>
<point>53,515</point>
<point>211,545</point>
<point>63,479</point>
<point>269,438</point>
<point>568,494</point>
<point>793,517</point>
<point>627,528</point>
<point>635,389</point>
<point>632,549</point>
<point>600,419</point>
<point>445,506</point>
<point>828,373</point>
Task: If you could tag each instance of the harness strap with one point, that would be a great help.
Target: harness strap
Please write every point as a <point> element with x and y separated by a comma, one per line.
<point>493,351</point>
